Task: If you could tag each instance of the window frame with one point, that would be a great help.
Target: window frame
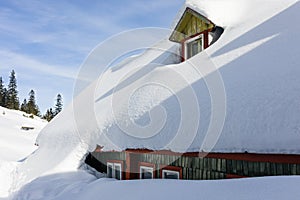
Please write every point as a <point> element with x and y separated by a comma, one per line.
<point>113,164</point>
<point>109,166</point>
<point>147,166</point>
<point>189,41</point>
<point>170,169</point>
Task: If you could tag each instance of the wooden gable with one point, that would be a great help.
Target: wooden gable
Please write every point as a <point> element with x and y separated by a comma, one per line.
<point>190,24</point>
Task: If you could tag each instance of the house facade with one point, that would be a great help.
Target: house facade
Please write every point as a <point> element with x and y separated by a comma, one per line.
<point>195,33</point>
<point>147,164</point>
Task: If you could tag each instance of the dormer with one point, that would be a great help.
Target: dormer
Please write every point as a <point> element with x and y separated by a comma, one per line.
<point>195,33</point>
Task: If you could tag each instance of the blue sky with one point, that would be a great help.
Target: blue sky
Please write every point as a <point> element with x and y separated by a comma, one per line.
<point>46,41</point>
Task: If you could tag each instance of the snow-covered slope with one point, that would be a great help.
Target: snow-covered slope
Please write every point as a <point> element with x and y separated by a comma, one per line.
<point>16,143</point>
<point>241,94</point>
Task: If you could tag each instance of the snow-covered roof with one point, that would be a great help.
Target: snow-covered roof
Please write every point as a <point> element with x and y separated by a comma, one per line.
<point>241,94</point>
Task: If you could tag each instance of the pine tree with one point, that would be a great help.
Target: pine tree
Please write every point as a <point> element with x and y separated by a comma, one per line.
<point>12,93</point>
<point>58,105</point>
<point>49,115</point>
<point>5,98</point>
<point>24,106</point>
<point>2,97</point>
<point>32,108</point>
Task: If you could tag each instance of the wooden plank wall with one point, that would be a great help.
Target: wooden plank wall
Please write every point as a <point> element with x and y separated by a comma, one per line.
<point>195,168</point>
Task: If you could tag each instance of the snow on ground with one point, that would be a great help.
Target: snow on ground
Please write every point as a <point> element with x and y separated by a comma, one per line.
<point>15,144</point>
<point>80,186</point>
<point>258,62</point>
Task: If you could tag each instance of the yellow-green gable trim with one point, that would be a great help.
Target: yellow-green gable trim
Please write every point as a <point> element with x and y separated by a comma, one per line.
<point>190,24</point>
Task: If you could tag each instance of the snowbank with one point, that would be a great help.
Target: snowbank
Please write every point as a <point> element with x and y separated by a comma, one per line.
<point>84,186</point>
<point>13,136</point>
<point>15,144</point>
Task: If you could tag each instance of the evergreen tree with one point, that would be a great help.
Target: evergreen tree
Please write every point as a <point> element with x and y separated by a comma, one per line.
<point>49,115</point>
<point>12,93</point>
<point>32,108</point>
<point>58,105</point>
<point>2,97</point>
<point>5,98</point>
<point>24,106</point>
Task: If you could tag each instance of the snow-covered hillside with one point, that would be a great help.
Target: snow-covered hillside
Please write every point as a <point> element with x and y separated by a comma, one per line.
<point>241,94</point>
<point>17,143</point>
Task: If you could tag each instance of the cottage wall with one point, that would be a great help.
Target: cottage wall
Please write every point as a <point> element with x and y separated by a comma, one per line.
<point>194,168</point>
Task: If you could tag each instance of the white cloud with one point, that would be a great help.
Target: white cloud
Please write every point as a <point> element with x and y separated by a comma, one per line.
<point>9,58</point>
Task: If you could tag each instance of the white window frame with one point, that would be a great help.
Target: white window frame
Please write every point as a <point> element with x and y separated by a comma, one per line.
<point>146,168</point>
<point>110,165</point>
<point>113,166</point>
<point>170,171</point>
<point>192,40</point>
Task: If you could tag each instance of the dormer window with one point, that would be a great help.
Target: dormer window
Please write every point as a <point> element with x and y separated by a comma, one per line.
<point>194,32</point>
<point>193,46</point>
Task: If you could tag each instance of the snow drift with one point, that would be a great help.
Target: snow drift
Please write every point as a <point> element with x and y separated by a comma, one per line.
<point>16,144</point>
<point>13,136</point>
<point>83,186</point>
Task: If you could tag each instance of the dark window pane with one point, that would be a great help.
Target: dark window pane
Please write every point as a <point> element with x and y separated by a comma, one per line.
<point>170,175</point>
<point>194,47</point>
<point>109,171</point>
<point>146,173</point>
<point>118,172</point>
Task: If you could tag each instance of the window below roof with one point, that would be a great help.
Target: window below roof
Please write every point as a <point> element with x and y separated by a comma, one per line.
<point>194,46</point>
<point>146,170</point>
<point>169,174</point>
<point>114,169</point>
<point>195,33</point>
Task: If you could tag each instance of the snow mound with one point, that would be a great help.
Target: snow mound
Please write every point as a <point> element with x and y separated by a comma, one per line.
<point>13,136</point>
<point>81,185</point>
<point>15,144</point>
